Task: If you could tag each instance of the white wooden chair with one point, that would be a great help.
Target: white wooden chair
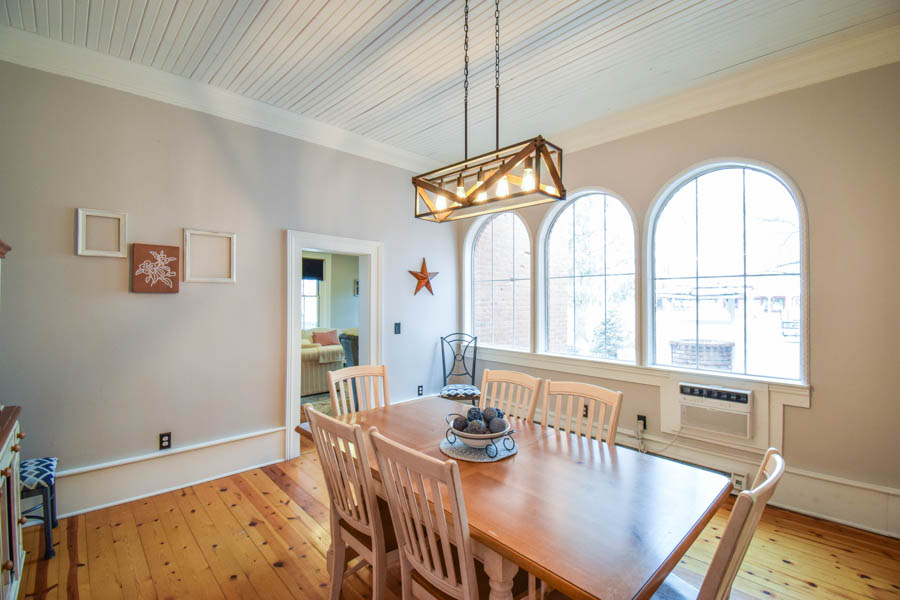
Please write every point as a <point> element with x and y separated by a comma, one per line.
<point>512,392</point>
<point>358,388</point>
<point>726,562</point>
<point>567,401</point>
<point>435,552</point>
<point>356,520</point>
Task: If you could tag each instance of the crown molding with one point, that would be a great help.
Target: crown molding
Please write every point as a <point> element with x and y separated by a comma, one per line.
<point>845,53</point>
<point>45,54</point>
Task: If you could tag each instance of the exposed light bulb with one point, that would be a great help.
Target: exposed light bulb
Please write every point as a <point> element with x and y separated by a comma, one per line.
<point>460,187</point>
<point>482,194</point>
<point>502,187</point>
<point>440,202</point>
<point>528,176</point>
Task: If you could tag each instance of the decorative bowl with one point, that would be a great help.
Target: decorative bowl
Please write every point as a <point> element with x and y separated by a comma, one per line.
<point>487,441</point>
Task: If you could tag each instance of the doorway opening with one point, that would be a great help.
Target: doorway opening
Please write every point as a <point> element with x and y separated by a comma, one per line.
<point>334,318</point>
<point>329,312</point>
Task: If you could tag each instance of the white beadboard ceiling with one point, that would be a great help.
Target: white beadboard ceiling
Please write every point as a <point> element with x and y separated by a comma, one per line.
<point>391,70</point>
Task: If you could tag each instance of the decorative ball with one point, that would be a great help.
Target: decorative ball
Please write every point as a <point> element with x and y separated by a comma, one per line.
<point>459,423</point>
<point>476,426</point>
<point>489,414</point>
<point>499,424</point>
<point>474,414</point>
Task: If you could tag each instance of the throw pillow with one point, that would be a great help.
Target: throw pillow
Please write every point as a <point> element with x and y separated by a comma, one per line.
<point>326,338</point>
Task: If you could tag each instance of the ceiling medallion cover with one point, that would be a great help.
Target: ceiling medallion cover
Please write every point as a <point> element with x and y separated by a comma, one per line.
<point>504,179</point>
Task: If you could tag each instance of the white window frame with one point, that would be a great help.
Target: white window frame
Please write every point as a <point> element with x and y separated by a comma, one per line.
<point>543,271</point>
<point>318,298</point>
<point>649,298</point>
<point>468,271</point>
<point>324,316</point>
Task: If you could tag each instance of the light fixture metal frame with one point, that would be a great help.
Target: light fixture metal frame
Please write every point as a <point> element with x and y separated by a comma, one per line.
<point>497,164</point>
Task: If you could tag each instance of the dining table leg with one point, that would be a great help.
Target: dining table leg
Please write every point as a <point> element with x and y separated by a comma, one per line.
<point>500,572</point>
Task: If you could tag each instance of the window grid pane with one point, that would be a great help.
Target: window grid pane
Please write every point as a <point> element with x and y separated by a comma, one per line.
<point>501,283</point>
<point>731,301</point>
<point>591,280</point>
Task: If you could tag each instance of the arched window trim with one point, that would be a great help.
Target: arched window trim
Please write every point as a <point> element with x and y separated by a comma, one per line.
<point>542,266</point>
<point>652,218</point>
<point>468,257</point>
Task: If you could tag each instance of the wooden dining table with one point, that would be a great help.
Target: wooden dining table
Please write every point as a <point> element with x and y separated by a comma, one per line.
<point>591,521</point>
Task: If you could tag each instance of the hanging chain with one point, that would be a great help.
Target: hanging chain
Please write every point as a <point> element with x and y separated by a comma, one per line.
<point>466,85</point>
<point>497,72</point>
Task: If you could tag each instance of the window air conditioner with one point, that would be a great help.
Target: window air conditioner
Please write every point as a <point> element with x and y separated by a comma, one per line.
<point>716,411</point>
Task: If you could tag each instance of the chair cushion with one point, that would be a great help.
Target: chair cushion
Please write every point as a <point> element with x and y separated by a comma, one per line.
<point>460,390</point>
<point>38,472</point>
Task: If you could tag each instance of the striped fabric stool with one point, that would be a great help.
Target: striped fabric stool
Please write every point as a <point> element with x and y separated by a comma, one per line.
<point>38,478</point>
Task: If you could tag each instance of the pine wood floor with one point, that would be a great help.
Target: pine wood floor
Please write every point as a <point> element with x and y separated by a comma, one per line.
<point>264,534</point>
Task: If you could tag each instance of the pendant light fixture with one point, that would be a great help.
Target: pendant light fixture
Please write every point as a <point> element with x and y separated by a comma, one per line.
<point>523,174</point>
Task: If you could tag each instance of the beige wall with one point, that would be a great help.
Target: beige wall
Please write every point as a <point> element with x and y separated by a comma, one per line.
<point>100,371</point>
<point>344,305</point>
<point>840,142</point>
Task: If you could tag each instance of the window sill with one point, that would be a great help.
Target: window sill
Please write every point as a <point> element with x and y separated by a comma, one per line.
<point>624,371</point>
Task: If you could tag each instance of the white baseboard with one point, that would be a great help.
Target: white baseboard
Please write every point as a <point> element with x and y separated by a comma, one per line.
<point>97,486</point>
<point>865,506</point>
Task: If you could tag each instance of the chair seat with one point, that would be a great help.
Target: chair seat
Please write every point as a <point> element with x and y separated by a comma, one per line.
<point>38,473</point>
<point>676,588</point>
<point>456,391</point>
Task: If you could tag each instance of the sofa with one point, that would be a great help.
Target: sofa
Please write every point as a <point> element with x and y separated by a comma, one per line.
<point>317,360</point>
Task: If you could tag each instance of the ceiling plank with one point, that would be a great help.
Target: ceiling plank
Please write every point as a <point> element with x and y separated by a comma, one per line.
<point>234,28</point>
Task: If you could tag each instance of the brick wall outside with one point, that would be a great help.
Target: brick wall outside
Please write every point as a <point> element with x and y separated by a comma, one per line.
<point>502,283</point>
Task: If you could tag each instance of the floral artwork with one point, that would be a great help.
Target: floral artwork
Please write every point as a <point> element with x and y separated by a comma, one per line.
<point>155,268</point>
<point>159,270</point>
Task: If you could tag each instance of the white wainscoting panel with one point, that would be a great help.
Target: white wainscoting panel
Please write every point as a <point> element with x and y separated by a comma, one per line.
<point>98,486</point>
<point>866,506</point>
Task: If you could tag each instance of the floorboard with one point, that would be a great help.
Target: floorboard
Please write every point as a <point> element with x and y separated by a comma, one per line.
<point>263,534</point>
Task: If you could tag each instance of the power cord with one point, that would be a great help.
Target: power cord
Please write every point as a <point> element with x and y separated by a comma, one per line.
<point>672,441</point>
<point>639,434</point>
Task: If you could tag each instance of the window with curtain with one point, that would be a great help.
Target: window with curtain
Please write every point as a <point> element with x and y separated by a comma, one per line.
<point>310,297</point>
<point>727,287</point>
<point>501,283</point>
<point>591,280</point>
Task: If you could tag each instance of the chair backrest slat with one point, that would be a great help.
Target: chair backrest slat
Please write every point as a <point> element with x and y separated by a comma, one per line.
<point>512,392</point>
<point>421,492</point>
<point>358,388</point>
<point>745,516</point>
<point>564,403</point>
<point>348,475</point>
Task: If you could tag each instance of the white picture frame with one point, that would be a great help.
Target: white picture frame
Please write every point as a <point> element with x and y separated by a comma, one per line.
<point>81,233</point>
<point>192,276</point>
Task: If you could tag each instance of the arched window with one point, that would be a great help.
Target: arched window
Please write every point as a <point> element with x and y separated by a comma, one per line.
<point>726,274</point>
<point>501,283</point>
<point>591,279</point>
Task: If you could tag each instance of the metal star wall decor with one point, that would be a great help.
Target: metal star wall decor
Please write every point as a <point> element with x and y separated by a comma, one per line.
<point>423,278</point>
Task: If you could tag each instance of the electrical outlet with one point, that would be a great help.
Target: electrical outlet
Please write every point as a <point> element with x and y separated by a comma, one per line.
<point>165,440</point>
<point>396,328</point>
<point>584,412</point>
<point>642,419</point>
<point>739,481</point>
<point>420,390</point>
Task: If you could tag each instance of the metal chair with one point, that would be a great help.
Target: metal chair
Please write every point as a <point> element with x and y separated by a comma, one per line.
<point>459,351</point>
<point>38,478</point>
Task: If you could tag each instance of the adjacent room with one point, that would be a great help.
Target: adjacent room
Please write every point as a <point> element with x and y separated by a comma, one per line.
<point>457,299</point>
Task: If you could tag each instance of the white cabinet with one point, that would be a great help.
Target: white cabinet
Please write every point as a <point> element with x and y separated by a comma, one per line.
<point>12,553</point>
